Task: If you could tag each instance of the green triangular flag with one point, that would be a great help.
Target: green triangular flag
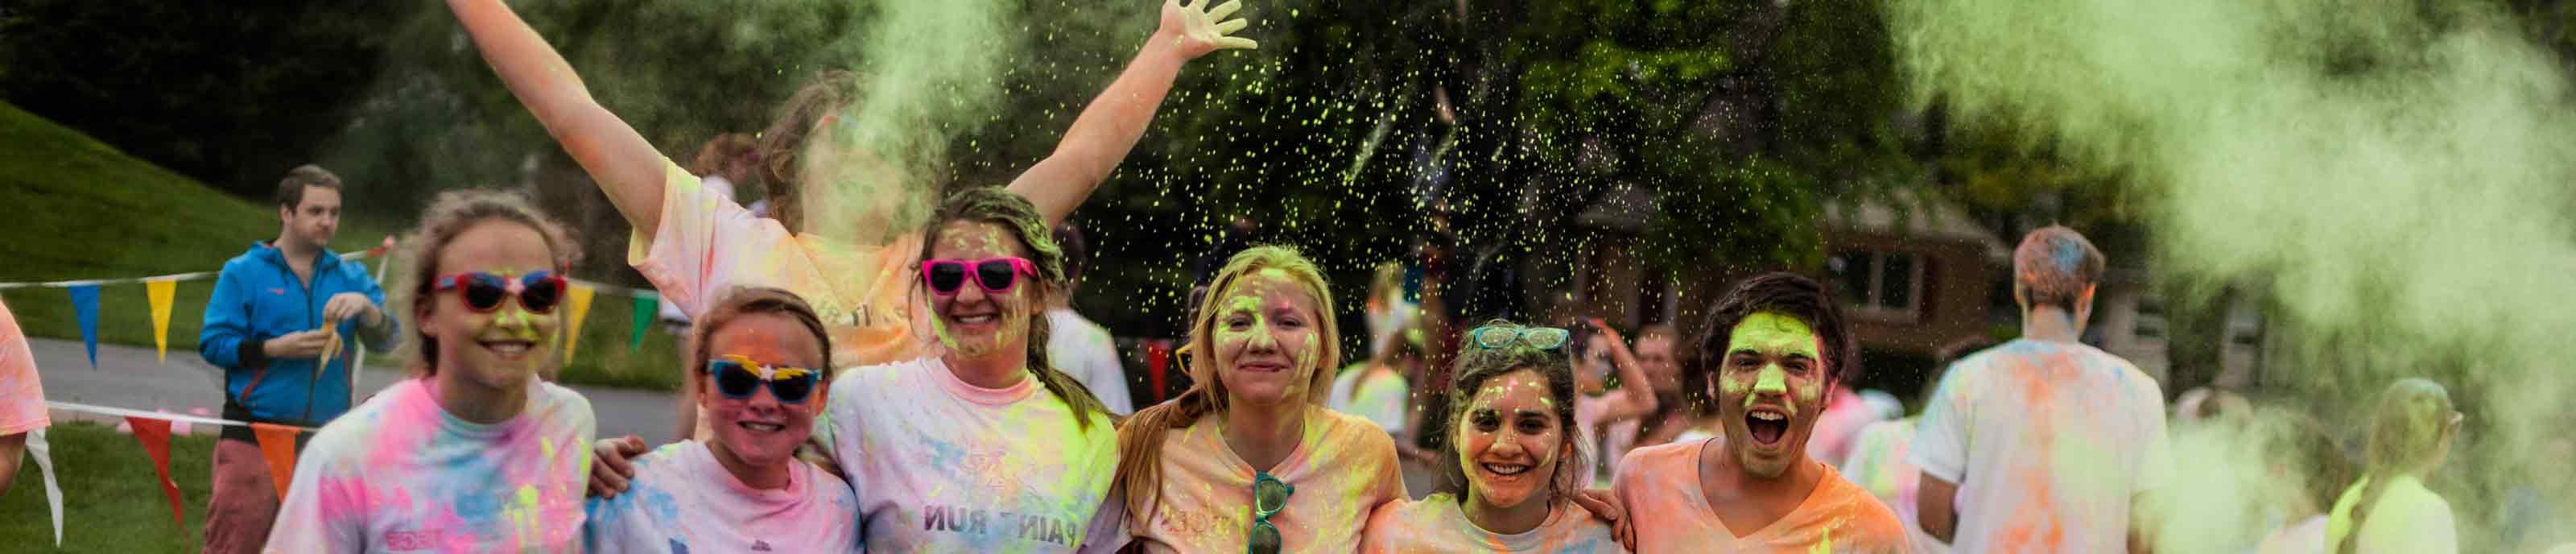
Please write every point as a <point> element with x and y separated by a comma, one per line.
<point>647,308</point>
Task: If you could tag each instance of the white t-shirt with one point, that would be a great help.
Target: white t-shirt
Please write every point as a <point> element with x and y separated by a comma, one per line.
<point>1381,400</point>
<point>683,500</point>
<point>1438,524</point>
<point>2048,443</point>
<point>398,474</point>
<point>940,465</point>
<point>1084,350</point>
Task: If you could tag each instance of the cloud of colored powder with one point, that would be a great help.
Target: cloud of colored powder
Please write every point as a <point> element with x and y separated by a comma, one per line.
<point>2395,176</point>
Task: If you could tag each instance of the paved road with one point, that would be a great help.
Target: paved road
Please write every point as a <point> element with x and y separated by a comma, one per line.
<point>133,378</point>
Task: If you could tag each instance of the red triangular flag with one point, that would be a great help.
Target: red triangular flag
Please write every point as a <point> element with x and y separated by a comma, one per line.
<point>277,444</point>
<point>155,436</point>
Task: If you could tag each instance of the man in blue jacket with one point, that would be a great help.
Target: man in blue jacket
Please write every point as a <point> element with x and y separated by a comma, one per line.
<point>276,313</point>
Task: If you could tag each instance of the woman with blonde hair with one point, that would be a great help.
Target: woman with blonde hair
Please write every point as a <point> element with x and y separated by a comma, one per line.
<point>1249,459</point>
<point>2389,510</point>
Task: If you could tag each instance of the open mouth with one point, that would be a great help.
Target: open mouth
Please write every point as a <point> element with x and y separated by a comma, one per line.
<point>1768,426</point>
<point>758,427</point>
<point>978,319</point>
<point>1504,470</point>
<point>509,349</point>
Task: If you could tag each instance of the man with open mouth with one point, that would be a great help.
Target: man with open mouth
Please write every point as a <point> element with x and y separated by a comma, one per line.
<point>1775,348</point>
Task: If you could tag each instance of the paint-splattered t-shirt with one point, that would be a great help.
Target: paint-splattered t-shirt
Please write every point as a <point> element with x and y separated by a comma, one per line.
<point>684,501</point>
<point>940,465</point>
<point>1343,469</point>
<point>2406,518</point>
<point>22,393</point>
<point>2048,443</point>
<point>1659,485</point>
<point>707,244</point>
<point>399,474</point>
<point>1437,524</point>
<point>1381,399</point>
<point>1878,465</point>
<point>1085,351</point>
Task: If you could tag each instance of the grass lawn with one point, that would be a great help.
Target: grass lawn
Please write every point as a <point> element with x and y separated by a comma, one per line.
<point>81,209</point>
<point>112,502</point>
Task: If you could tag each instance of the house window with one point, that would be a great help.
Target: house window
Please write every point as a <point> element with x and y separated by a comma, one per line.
<point>1878,283</point>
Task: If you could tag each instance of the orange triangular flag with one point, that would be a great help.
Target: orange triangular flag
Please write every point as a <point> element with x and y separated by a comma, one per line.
<point>160,293</point>
<point>576,308</point>
<point>155,436</point>
<point>277,443</point>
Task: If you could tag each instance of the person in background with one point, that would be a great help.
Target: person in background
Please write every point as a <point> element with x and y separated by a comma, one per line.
<point>2389,510</point>
<point>2043,444</point>
<point>1079,347</point>
<point>1595,417</point>
<point>2316,462</point>
<point>22,397</point>
<point>275,324</point>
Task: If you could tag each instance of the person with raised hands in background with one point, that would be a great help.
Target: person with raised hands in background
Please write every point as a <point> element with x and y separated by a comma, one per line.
<point>1510,474</point>
<point>763,360</point>
<point>472,453</point>
<point>1607,421</point>
<point>276,322</point>
<point>1774,348</point>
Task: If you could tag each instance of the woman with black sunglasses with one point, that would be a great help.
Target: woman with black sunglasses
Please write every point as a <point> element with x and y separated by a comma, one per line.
<point>1249,459</point>
<point>763,360</point>
<point>1513,461</point>
<point>474,453</point>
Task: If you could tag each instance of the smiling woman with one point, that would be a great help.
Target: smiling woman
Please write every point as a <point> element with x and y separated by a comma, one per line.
<point>1513,461</point>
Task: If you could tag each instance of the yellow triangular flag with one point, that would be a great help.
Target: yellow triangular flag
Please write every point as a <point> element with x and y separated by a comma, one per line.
<point>160,292</point>
<point>576,307</point>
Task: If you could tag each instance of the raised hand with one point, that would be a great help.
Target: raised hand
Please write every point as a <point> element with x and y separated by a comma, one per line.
<point>1200,30</point>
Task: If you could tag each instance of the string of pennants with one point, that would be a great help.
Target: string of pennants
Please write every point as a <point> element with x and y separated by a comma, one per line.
<point>276,442</point>
<point>160,290</point>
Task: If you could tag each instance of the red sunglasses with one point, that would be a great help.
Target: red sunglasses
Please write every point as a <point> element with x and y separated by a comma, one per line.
<point>538,292</point>
<point>994,275</point>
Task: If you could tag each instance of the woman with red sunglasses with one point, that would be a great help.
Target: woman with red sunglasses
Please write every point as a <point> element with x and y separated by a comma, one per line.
<point>762,360</point>
<point>474,453</point>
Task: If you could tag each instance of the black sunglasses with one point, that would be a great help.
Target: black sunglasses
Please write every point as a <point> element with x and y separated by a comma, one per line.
<point>538,292</point>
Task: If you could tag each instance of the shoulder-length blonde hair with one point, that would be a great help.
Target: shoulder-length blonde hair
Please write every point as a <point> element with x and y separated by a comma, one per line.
<point>1140,441</point>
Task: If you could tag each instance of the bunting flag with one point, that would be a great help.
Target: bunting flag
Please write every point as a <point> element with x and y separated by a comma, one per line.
<point>85,304</point>
<point>44,454</point>
<point>160,292</point>
<point>277,444</point>
<point>155,436</point>
<point>646,308</point>
<point>576,309</point>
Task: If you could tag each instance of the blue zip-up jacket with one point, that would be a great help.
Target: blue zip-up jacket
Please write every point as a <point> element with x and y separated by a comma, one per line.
<point>259,298</point>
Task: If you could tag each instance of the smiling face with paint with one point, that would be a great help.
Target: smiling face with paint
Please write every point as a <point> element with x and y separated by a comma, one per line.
<point>975,324</point>
<point>1267,343</point>
<point>761,430</point>
<point>504,347</point>
<point>1771,387</point>
<point>1510,442</point>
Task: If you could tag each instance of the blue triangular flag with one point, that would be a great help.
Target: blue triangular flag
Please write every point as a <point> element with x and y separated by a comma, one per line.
<point>85,303</point>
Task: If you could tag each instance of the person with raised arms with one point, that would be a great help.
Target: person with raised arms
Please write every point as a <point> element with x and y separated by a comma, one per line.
<point>1774,349</point>
<point>692,245</point>
<point>1511,471</point>
<point>764,359</point>
<point>473,453</point>
<point>1248,458</point>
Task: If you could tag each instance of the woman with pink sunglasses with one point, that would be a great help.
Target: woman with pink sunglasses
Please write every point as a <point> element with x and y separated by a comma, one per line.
<point>984,447</point>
